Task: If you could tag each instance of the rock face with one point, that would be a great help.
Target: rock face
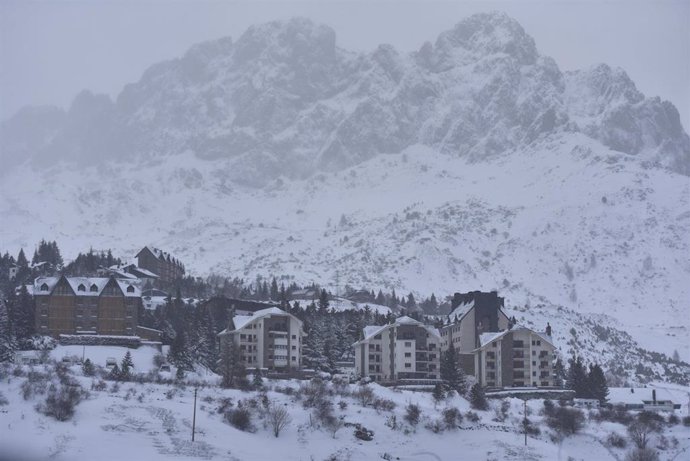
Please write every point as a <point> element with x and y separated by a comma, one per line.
<point>285,100</point>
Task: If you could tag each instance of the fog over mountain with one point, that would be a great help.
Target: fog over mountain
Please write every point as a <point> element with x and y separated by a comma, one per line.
<point>472,163</point>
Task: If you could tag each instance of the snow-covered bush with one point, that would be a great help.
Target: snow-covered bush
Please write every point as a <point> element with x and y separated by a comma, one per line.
<point>642,454</point>
<point>436,425</point>
<point>566,421</point>
<point>686,421</point>
<point>3,399</point>
<point>616,440</point>
<point>412,414</point>
<point>451,417</point>
<point>240,418</point>
<point>35,384</point>
<point>365,395</point>
<point>383,404</point>
<point>472,416</point>
<point>362,433</point>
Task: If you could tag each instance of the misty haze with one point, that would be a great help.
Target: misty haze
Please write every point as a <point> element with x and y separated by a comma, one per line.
<point>273,243</point>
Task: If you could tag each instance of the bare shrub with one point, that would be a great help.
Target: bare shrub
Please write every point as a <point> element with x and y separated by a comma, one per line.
<point>566,421</point>
<point>436,426</point>
<point>365,395</point>
<point>642,454</point>
<point>383,404</point>
<point>61,401</point>
<point>278,418</point>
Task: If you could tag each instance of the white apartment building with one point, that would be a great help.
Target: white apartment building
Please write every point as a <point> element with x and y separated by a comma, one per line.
<point>519,357</point>
<point>269,338</point>
<point>403,350</point>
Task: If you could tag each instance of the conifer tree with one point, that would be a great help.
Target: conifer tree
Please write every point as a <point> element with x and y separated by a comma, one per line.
<point>577,378</point>
<point>126,366</point>
<point>559,373</point>
<point>478,398</point>
<point>598,388</point>
<point>7,339</point>
<point>323,301</point>
<point>21,259</point>
<point>451,373</point>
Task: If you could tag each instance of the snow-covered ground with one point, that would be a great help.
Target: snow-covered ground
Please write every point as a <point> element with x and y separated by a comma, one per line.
<point>153,422</point>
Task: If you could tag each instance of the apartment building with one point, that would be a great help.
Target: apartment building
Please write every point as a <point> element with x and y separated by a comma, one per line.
<point>403,350</point>
<point>519,357</point>
<point>86,305</point>
<point>268,338</point>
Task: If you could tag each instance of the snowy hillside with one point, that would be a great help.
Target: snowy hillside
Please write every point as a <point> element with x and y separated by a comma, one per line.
<point>129,420</point>
<point>472,164</point>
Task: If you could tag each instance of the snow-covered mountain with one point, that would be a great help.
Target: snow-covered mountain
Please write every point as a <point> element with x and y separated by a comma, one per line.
<point>473,163</point>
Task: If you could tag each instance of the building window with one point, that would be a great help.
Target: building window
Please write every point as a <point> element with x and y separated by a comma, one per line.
<point>81,287</point>
<point>93,288</point>
<point>294,359</point>
<point>534,373</point>
<point>294,348</point>
<point>130,289</point>
<point>534,352</point>
<point>408,365</point>
<point>294,336</point>
<point>538,343</point>
<point>44,287</point>
<point>534,363</point>
<point>408,354</point>
<point>408,344</point>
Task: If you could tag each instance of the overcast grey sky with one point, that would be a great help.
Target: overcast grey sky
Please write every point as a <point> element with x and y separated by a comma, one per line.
<point>50,50</point>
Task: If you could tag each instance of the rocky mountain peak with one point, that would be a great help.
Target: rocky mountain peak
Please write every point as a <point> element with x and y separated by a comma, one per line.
<point>486,34</point>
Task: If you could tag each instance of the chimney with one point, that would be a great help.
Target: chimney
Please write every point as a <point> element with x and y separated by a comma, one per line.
<point>548,329</point>
<point>654,396</point>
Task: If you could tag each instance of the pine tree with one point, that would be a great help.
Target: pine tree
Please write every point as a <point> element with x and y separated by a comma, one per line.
<point>21,259</point>
<point>126,366</point>
<point>598,388</point>
<point>7,339</point>
<point>451,373</point>
<point>380,299</point>
<point>438,393</point>
<point>323,301</point>
<point>478,398</point>
<point>257,381</point>
<point>577,378</point>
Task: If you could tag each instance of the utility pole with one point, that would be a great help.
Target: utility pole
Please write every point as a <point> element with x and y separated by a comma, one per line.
<point>194,416</point>
<point>524,421</point>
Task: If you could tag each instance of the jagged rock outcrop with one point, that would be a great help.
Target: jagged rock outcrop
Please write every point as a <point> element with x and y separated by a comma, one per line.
<point>285,100</point>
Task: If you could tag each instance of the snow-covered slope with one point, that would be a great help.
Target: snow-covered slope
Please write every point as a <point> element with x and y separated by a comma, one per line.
<point>473,163</point>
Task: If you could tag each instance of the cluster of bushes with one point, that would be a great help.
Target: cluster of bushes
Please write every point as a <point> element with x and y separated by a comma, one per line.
<point>563,420</point>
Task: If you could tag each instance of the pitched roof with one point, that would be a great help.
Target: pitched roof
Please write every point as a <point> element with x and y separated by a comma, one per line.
<point>486,338</point>
<point>372,330</point>
<point>240,321</point>
<point>88,282</point>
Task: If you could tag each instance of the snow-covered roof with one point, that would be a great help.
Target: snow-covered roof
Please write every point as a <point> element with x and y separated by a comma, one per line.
<point>240,321</point>
<point>486,338</point>
<point>461,310</point>
<point>372,330</point>
<point>88,282</point>
<point>624,394</point>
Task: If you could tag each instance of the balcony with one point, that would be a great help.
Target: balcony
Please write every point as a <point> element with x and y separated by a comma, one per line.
<point>518,354</point>
<point>518,344</point>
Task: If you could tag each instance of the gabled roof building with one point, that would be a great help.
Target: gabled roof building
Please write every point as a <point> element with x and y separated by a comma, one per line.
<point>267,339</point>
<point>405,350</point>
<point>519,357</point>
<point>160,263</point>
<point>86,305</point>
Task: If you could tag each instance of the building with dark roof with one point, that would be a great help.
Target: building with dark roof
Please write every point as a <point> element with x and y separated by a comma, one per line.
<point>160,263</point>
<point>86,305</point>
